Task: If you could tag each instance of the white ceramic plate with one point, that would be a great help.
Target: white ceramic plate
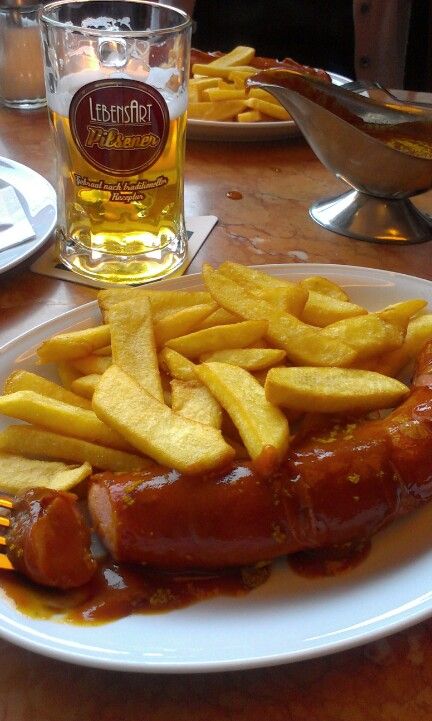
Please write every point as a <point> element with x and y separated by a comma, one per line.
<point>39,201</point>
<point>288,619</point>
<point>248,132</point>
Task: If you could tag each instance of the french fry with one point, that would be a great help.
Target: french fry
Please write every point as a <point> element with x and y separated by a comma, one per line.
<point>60,417</point>
<point>324,286</point>
<point>193,94</point>
<point>218,317</point>
<point>25,381</point>
<point>110,296</point>
<point>153,428</point>
<point>74,344</point>
<point>368,334</point>
<point>263,95</point>
<point>400,313</point>
<point>251,359</point>
<point>259,423</point>
<point>240,55</point>
<point>225,85</point>
<point>177,365</point>
<point>267,108</point>
<point>33,442</point>
<point>106,350</point>
<point>303,344</point>
<point>284,298</point>
<point>250,116</point>
<point>181,322</point>
<point>392,363</point>
<point>239,76</point>
<point>193,400</point>
<point>85,385</point>
<point>267,287</point>
<point>18,474</point>
<point>209,70</point>
<point>235,335</point>
<point>166,302</point>
<point>322,310</point>
<point>92,364</point>
<point>291,415</point>
<point>162,302</point>
<point>197,85</point>
<point>67,374</point>
<point>217,94</point>
<point>133,344</point>
<point>332,390</point>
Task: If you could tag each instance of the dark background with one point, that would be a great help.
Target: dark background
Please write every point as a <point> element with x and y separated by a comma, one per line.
<point>418,75</point>
<point>314,32</point>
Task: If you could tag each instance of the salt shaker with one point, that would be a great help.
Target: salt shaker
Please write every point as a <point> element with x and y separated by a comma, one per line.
<point>21,68</point>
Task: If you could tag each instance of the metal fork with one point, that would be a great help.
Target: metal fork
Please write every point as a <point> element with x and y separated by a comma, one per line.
<point>359,86</point>
<point>5,564</point>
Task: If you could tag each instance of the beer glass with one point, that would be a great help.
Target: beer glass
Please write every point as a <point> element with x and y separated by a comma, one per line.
<point>116,75</point>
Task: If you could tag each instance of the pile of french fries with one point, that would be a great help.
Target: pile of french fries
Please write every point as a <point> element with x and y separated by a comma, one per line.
<point>217,91</point>
<point>194,379</point>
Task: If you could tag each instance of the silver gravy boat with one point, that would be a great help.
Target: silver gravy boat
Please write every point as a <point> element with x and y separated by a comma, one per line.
<point>381,148</point>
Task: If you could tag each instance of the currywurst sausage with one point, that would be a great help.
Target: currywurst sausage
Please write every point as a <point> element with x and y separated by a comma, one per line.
<point>48,540</point>
<point>203,58</point>
<point>333,487</point>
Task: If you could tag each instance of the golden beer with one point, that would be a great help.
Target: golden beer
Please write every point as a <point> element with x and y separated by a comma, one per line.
<point>120,140</point>
<point>133,225</point>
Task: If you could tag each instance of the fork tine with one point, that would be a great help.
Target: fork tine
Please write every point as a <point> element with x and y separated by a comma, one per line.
<point>5,564</point>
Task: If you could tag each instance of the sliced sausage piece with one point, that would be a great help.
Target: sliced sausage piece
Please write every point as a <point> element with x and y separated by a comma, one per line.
<point>48,540</point>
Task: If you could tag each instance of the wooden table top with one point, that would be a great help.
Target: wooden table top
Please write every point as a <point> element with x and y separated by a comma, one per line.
<point>387,680</point>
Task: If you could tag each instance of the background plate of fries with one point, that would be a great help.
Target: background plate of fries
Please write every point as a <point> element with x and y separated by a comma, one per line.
<point>247,131</point>
<point>289,618</point>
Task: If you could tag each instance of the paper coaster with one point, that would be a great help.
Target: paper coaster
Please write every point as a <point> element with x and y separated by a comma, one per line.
<point>197,228</point>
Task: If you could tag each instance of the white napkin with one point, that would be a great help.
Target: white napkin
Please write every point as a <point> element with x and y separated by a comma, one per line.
<point>14,225</point>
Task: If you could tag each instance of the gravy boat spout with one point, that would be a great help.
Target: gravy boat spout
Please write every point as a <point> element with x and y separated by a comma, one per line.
<point>382,150</point>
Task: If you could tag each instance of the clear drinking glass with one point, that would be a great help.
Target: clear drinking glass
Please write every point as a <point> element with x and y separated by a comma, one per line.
<point>21,68</point>
<point>116,77</point>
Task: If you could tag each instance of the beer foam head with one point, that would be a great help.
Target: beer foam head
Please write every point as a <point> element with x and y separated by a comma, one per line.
<point>60,100</point>
<point>104,22</point>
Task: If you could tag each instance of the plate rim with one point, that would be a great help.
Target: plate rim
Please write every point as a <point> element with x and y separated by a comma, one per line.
<point>12,632</point>
<point>31,246</point>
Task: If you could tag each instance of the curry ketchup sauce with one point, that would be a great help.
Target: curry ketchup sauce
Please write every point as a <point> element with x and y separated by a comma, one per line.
<point>117,590</point>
